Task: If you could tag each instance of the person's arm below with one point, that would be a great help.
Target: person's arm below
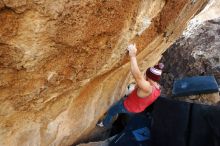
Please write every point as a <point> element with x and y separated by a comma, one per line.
<point>139,78</point>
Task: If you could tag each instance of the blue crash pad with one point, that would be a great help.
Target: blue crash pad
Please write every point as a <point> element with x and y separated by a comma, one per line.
<point>141,134</point>
<point>136,133</point>
<point>195,85</point>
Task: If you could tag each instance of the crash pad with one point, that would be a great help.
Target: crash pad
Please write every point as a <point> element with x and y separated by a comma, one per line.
<point>194,86</point>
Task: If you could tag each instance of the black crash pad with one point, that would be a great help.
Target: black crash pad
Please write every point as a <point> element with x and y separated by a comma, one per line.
<point>170,122</point>
<point>205,126</point>
<point>179,123</point>
<point>212,117</point>
<point>195,85</point>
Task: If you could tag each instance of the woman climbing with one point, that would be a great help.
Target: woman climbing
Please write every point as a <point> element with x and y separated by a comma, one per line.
<point>146,92</point>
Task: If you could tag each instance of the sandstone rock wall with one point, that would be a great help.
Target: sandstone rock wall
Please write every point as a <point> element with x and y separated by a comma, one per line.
<point>63,62</point>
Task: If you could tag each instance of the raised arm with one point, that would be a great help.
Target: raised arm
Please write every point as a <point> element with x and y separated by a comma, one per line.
<point>139,78</point>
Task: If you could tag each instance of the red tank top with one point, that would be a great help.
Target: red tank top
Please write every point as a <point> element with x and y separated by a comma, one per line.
<point>135,104</point>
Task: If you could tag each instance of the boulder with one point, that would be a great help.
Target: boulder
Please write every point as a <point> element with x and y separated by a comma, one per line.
<point>195,53</point>
<point>64,63</point>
